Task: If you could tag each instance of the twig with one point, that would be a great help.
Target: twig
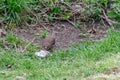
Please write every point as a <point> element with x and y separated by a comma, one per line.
<point>20,48</point>
<point>71,22</point>
<point>6,46</point>
<point>107,19</point>
<point>62,2</point>
<point>44,27</point>
<point>93,21</point>
<point>32,25</point>
<point>92,30</point>
<point>16,49</point>
<point>103,23</point>
<point>28,44</point>
<point>35,2</point>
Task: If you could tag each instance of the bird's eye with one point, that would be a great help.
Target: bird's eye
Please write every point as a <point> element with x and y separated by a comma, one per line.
<point>45,47</point>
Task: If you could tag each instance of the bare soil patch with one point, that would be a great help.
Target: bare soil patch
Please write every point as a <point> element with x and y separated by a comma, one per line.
<point>114,71</point>
<point>111,74</point>
<point>65,33</point>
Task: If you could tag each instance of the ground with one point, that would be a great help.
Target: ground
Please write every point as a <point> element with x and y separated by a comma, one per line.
<point>65,34</point>
<point>82,52</point>
<point>112,72</point>
<point>95,58</point>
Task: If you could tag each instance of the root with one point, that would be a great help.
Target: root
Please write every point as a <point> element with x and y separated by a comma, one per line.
<point>107,19</point>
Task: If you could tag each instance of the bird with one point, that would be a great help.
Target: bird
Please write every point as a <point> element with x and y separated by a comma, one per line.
<point>47,45</point>
<point>48,42</point>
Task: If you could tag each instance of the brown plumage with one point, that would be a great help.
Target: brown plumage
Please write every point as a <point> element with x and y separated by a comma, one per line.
<point>48,42</point>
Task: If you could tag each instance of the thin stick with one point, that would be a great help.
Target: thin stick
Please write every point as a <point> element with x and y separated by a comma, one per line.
<point>107,19</point>
<point>32,25</point>
<point>103,23</point>
<point>16,49</point>
<point>28,44</point>
<point>71,22</point>
<point>44,27</point>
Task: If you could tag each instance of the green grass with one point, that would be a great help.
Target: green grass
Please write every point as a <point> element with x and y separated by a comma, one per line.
<point>16,13</point>
<point>77,63</point>
<point>11,10</point>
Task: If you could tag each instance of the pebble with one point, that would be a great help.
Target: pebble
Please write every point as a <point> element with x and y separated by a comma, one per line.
<point>42,53</point>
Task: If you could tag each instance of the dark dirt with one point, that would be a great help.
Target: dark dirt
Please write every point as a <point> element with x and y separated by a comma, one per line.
<point>65,33</point>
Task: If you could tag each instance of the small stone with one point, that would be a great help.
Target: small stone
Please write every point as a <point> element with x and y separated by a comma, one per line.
<point>42,53</point>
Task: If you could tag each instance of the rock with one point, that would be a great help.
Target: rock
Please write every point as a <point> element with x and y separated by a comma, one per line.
<point>42,53</point>
<point>48,43</point>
